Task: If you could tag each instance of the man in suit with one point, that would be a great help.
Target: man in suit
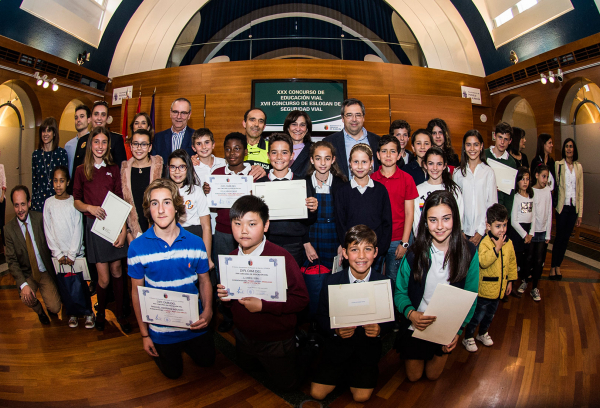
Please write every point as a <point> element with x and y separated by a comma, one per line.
<point>117,145</point>
<point>400,129</point>
<point>179,136</point>
<point>353,116</point>
<point>28,257</point>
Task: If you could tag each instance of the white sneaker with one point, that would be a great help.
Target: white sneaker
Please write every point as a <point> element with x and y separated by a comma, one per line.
<point>485,339</point>
<point>73,322</point>
<point>535,294</point>
<point>470,345</point>
<point>90,322</point>
<point>523,287</point>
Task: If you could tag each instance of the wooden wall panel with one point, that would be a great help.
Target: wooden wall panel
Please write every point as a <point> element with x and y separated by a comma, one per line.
<point>418,110</point>
<point>224,114</point>
<point>377,113</point>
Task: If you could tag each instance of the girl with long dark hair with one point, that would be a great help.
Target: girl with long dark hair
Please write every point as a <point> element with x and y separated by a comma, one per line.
<point>478,184</point>
<point>441,138</point>
<point>522,227</point>
<point>545,146</point>
<point>439,255</point>
<point>517,145</point>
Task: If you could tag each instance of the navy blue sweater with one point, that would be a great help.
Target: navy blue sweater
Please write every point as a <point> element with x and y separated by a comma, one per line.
<point>372,209</point>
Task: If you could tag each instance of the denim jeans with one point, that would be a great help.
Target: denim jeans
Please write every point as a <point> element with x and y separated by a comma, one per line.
<point>391,263</point>
<point>484,313</point>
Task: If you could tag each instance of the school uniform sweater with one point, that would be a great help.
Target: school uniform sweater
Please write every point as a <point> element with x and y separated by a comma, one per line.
<point>105,179</point>
<point>372,208</point>
<point>277,320</point>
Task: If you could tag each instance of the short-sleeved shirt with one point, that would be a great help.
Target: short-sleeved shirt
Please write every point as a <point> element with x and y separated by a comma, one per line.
<point>174,267</point>
<point>196,205</point>
<point>400,187</point>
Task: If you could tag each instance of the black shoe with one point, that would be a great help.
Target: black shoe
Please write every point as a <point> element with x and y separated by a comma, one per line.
<point>92,288</point>
<point>44,319</point>
<point>552,277</point>
<point>100,321</point>
<point>558,277</point>
<point>125,326</point>
<point>225,326</point>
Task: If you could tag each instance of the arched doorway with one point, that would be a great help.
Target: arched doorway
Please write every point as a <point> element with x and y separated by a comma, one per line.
<point>579,109</point>
<point>17,135</point>
<point>518,113</point>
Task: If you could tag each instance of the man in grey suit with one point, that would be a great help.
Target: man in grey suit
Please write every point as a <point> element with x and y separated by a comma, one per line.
<point>28,257</point>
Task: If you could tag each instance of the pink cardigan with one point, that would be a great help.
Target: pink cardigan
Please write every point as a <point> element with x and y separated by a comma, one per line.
<point>156,168</point>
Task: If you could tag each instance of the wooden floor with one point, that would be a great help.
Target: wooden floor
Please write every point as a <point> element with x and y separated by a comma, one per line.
<point>545,354</point>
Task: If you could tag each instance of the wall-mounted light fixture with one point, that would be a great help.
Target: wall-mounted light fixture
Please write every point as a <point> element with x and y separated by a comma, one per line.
<point>54,84</point>
<point>551,77</point>
<point>544,78</point>
<point>559,75</point>
<point>44,82</point>
<point>83,58</point>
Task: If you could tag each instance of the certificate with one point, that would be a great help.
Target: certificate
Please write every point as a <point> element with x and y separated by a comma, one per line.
<point>450,305</point>
<point>286,199</point>
<point>79,266</point>
<point>224,190</point>
<point>167,307</point>
<point>359,304</point>
<point>117,211</point>
<point>505,176</point>
<point>261,277</point>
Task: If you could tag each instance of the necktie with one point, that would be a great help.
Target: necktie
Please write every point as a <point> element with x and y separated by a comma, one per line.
<point>359,281</point>
<point>35,270</point>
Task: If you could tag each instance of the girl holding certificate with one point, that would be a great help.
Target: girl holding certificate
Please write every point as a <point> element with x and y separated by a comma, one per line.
<point>93,180</point>
<point>439,255</point>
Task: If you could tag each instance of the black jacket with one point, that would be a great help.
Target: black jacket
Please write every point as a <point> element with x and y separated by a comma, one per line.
<point>300,165</point>
<point>337,140</point>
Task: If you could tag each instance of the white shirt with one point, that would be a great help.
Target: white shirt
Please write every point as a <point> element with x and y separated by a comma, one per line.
<point>325,188</point>
<point>257,252</point>
<point>570,186</point>
<point>99,166</point>
<point>542,202</point>
<point>40,262</point>
<point>63,228</point>
<point>203,171</point>
<point>479,193</point>
<point>360,188</point>
<point>288,176</point>
<point>522,213</point>
<point>196,206</point>
<point>245,171</point>
<point>424,189</point>
<point>353,279</point>
<point>437,274</point>
<point>504,155</point>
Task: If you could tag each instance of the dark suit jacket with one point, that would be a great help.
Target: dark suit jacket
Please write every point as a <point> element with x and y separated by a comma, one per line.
<point>300,165</point>
<point>337,140</point>
<point>16,248</point>
<point>342,278</point>
<point>162,145</point>
<point>400,163</point>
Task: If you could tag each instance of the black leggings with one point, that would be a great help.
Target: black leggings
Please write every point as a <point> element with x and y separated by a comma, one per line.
<point>537,256</point>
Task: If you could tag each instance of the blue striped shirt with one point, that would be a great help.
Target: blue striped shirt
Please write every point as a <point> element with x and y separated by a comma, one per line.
<point>174,267</point>
<point>177,139</point>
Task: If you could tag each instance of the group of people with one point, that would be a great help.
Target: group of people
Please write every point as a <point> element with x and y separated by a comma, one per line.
<point>416,218</point>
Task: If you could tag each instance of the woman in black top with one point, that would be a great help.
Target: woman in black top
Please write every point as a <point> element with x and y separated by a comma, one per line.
<point>441,138</point>
<point>542,156</point>
<point>299,126</point>
<point>517,145</point>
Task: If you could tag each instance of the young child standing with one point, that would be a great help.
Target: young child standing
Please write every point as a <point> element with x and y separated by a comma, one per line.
<point>434,163</point>
<point>364,201</point>
<point>351,354</point>
<point>197,215</point>
<point>497,268</point>
<point>478,185</point>
<point>522,227</point>
<point>203,143</point>
<point>265,331</point>
<point>93,180</point>
<point>542,202</point>
<point>421,141</point>
<point>402,191</point>
<point>439,255</point>
<point>288,234</point>
<point>64,234</point>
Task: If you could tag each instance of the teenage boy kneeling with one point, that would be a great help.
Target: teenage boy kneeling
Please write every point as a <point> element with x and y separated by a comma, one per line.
<point>265,331</point>
<point>351,354</point>
<point>168,257</point>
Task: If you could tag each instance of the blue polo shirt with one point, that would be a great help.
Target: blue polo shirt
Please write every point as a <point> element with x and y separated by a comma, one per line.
<point>174,267</point>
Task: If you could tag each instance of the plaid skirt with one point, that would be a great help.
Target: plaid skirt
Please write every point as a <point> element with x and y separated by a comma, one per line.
<point>323,234</point>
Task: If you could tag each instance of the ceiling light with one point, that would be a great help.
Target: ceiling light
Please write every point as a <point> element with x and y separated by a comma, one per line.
<point>54,84</point>
<point>543,79</point>
<point>551,77</point>
<point>559,75</point>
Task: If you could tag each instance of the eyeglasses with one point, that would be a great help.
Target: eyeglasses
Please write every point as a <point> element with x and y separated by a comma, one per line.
<point>180,168</point>
<point>104,103</point>
<point>177,113</point>
<point>135,145</point>
<point>351,115</point>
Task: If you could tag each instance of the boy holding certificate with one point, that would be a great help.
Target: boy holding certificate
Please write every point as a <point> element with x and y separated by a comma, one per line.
<point>265,330</point>
<point>351,354</point>
<point>168,257</point>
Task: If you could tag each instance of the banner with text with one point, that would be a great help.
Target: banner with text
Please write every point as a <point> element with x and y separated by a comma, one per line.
<point>321,100</point>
